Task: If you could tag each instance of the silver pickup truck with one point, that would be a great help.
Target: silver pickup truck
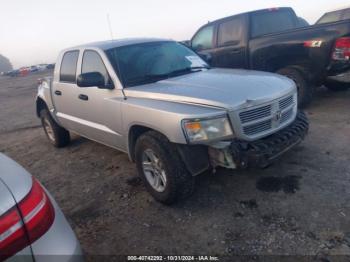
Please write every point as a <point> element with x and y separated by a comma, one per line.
<point>176,117</point>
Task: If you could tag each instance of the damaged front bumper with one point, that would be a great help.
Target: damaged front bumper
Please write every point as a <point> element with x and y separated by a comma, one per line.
<point>239,154</point>
<point>260,153</point>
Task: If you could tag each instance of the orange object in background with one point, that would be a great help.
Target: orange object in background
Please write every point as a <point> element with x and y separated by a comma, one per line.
<point>23,71</point>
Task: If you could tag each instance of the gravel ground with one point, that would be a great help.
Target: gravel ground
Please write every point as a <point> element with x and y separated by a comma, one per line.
<point>299,206</point>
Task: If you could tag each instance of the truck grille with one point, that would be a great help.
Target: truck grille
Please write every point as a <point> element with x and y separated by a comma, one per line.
<point>286,115</point>
<point>286,102</point>
<point>257,128</point>
<point>264,120</point>
<point>254,114</point>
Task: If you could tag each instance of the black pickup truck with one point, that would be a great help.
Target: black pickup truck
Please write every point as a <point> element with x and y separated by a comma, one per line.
<point>276,40</point>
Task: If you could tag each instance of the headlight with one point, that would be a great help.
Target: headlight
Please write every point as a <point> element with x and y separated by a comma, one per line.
<point>207,129</point>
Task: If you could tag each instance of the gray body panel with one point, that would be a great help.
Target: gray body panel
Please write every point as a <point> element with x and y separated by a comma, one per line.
<point>24,255</point>
<point>59,243</point>
<point>15,182</point>
<point>16,178</point>
<point>7,202</point>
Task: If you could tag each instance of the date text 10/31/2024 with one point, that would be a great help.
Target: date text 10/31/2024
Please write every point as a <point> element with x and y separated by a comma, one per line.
<point>172,258</point>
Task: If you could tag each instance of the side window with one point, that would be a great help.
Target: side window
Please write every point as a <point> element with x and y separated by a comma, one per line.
<point>203,39</point>
<point>69,67</point>
<point>230,32</point>
<point>92,62</point>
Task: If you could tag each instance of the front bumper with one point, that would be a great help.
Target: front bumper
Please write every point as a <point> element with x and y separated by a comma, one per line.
<point>264,151</point>
<point>240,154</point>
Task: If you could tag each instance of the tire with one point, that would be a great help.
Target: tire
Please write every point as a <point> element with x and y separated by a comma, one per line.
<point>305,89</point>
<point>58,136</point>
<point>337,86</point>
<point>175,181</point>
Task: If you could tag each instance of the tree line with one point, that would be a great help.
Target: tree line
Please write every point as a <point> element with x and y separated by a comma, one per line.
<point>5,64</point>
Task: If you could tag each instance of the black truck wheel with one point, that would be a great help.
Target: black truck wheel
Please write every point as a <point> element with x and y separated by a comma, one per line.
<point>161,168</point>
<point>337,86</point>
<point>57,135</point>
<point>305,89</point>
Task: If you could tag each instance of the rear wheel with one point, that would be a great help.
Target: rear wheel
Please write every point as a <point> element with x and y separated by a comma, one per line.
<point>305,89</point>
<point>161,168</point>
<point>337,86</point>
<point>57,135</point>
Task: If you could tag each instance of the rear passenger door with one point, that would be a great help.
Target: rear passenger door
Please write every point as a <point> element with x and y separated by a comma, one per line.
<point>231,44</point>
<point>64,89</point>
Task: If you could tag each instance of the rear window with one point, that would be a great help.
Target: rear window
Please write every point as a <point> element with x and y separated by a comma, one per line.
<point>271,22</point>
<point>69,67</point>
<point>230,32</point>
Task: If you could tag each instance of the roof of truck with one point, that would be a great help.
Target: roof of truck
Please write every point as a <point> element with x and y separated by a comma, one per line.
<point>248,12</point>
<point>108,44</point>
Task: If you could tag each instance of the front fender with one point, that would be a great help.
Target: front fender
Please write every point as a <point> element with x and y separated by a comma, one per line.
<point>195,157</point>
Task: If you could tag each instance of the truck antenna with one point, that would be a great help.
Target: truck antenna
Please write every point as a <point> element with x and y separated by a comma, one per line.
<point>110,27</point>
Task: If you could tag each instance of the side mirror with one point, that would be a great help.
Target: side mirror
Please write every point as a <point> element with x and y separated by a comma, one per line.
<point>186,43</point>
<point>207,57</point>
<point>92,79</point>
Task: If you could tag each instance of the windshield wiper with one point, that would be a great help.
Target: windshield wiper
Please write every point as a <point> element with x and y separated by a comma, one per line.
<point>146,79</point>
<point>187,70</point>
<point>157,77</point>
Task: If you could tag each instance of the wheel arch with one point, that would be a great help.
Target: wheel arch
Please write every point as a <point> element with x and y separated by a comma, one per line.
<point>40,104</point>
<point>195,157</point>
<point>288,61</point>
<point>135,131</point>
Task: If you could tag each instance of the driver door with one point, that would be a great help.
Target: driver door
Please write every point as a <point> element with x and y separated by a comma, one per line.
<point>99,109</point>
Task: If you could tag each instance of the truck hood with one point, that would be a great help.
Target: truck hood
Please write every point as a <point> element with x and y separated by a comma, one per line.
<point>222,88</point>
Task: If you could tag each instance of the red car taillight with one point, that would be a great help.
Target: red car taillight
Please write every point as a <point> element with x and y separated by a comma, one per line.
<point>26,222</point>
<point>342,49</point>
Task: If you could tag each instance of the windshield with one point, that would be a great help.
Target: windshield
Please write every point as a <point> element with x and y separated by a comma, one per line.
<point>150,62</point>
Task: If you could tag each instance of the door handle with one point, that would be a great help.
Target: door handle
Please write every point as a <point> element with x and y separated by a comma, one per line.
<point>58,93</point>
<point>236,50</point>
<point>83,97</point>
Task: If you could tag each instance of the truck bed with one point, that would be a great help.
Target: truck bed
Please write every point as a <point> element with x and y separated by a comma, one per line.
<point>290,46</point>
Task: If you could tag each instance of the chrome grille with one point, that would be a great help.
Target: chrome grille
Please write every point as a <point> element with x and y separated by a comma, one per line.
<point>286,116</point>
<point>263,120</point>
<point>286,102</point>
<point>257,128</point>
<point>255,114</point>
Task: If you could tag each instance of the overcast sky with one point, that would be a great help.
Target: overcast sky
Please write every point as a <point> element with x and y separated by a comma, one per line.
<point>34,31</point>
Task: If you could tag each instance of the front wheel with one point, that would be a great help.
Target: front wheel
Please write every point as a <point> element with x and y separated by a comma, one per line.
<point>305,89</point>
<point>57,135</point>
<point>161,168</point>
